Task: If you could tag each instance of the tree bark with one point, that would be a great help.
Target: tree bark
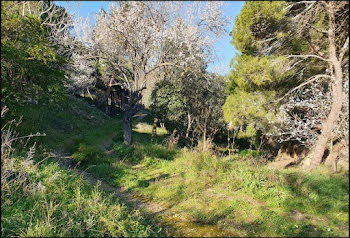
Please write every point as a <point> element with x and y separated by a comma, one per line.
<point>127,128</point>
<point>130,108</point>
<point>154,129</point>
<point>315,157</point>
<point>106,96</point>
<point>189,125</point>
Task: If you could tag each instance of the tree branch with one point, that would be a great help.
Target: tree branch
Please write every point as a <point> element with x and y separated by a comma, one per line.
<point>307,9</point>
<point>307,56</point>
<point>309,80</point>
<point>343,49</point>
<point>163,64</point>
<point>316,29</point>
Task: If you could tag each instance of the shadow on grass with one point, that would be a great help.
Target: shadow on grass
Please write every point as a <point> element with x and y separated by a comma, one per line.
<point>144,183</point>
<point>116,168</point>
<point>318,194</point>
<point>145,145</point>
<point>282,228</point>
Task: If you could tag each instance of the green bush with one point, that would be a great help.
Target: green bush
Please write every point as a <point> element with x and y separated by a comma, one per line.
<point>249,153</point>
<point>86,152</point>
<point>122,151</point>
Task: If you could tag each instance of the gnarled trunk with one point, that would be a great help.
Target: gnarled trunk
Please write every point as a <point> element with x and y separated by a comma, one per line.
<point>315,157</point>
<point>131,107</point>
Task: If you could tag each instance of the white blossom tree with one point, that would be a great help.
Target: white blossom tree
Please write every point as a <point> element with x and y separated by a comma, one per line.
<point>139,38</point>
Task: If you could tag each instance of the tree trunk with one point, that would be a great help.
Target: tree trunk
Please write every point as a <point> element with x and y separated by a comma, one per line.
<point>188,125</point>
<point>205,140</point>
<point>106,96</point>
<point>127,128</point>
<point>88,91</point>
<point>154,129</point>
<point>130,108</point>
<point>315,157</point>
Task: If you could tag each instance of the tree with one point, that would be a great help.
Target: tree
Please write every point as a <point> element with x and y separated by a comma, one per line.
<point>254,82</point>
<point>31,67</point>
<point>191,104</point>
<point>205,94</point>
<point>135,39</point>
<point>314,37</point>
<point>338,45</point>
<point>168,104</point>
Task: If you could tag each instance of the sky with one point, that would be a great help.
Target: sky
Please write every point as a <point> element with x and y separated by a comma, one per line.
<point>224,49</point>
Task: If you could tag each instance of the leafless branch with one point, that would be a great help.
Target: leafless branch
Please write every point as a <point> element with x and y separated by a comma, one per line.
<point>307,56</point>
<point>310,80</point>
<point>343,49</point>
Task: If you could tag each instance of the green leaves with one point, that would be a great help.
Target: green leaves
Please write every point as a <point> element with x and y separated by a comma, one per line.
<point>258,76</point>
<point>254,82</point>
<point>258,20</point>
<point>246,110</point>
<point>31,69</point>
<point>253,73</point>
<point>168,103</point>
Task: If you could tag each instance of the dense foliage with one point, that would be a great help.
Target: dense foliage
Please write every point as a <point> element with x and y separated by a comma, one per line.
<point>191,104</point>
<point>31,70</point>
<point>292,61</point>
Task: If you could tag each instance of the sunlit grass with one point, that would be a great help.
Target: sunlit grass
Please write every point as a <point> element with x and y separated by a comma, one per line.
<point>54,202</point>
<point>232,193</point>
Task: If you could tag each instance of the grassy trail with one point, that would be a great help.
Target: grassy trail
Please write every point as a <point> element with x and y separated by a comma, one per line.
<point>174,224</point>
<point>189,193</point>
<point>192,194</point>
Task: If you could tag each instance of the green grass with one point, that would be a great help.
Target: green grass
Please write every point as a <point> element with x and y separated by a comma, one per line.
<point>235,193</point>
<point>254,200</point>
<point>40,199</point>
<point>64,124</point>
<point>55,202</point>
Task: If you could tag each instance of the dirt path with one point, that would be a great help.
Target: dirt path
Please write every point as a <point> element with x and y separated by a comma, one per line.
<point>172,223</point>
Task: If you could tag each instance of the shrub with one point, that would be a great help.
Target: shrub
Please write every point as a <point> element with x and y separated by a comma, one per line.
<point>86,152</point>
<point>249,153</point>
<point>121,150</point>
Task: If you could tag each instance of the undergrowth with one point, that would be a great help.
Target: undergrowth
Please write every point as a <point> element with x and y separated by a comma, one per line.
<point>236,193</point>
<point>47,201</point>
<point>39,199</point>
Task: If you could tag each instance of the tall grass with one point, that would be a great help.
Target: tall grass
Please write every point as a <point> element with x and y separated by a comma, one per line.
<point>238,194</point>
<point>252,199</point>
<point>40,199</point>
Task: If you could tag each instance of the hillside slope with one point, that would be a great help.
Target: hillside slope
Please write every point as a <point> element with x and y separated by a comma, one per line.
<point>39,198</point>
